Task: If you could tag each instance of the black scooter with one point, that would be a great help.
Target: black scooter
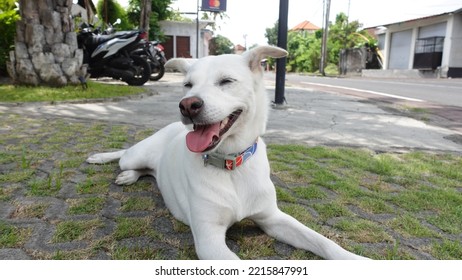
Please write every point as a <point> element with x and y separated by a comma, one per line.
<point>111,55</point>
<point>153,52</point>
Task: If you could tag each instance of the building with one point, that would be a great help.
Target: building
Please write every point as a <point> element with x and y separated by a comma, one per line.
<point>428,46</point>
<point>305,27</point>
<point>182,39</point>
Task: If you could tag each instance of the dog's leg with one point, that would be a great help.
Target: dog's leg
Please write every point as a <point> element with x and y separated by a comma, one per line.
<point>210,244</point>
<point>129,177</point>
<point>288,230</point>
<point>105,157</point>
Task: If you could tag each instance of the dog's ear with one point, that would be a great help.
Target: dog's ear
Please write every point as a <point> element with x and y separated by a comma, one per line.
<point>255,55</point>
<point>179,64</point>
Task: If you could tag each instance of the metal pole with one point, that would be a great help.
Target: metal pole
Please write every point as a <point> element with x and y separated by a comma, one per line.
<point>197,31</point>
<point>282,43</point>
<point>324,38</point>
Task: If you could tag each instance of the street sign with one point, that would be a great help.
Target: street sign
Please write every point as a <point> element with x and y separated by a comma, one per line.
<point>213,5</point>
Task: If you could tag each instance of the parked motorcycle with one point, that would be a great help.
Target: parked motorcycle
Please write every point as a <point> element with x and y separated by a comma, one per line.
<point>111,55</point>
<point>153,52</point>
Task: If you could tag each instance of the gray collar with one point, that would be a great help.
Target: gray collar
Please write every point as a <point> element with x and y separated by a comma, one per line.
<point>230,161</point>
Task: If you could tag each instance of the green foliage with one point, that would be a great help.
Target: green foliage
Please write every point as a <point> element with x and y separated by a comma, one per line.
<point>271,34</point>
<point>114,11</point>
<point>304,52</point>
<point>8,17</point>
<point>221,45</point>
<point>305,49</point>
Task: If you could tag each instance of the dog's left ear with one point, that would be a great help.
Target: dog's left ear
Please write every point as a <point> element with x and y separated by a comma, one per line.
<point>255,55</point>
<point>179,64</point>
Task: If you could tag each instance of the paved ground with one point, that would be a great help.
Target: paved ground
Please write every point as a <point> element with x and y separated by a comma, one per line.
<point>73,210</point>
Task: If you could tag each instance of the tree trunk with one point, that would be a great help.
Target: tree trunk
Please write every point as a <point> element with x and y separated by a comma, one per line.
<point>46,50</point>
<point>145,15</point>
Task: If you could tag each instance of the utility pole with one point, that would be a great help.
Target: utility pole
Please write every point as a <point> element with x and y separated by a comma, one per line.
<point>282,43</point>
<point>324,37</point>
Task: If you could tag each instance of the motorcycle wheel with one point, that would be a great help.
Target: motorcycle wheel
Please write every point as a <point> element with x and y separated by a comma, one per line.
<point>157,73</point>
<point>142,71</point>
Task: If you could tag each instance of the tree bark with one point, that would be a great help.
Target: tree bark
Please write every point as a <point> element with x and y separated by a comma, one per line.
<point>146,8</point>
<point>46,50</point>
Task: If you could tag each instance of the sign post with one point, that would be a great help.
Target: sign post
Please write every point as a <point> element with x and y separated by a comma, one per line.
<point>282,43</point>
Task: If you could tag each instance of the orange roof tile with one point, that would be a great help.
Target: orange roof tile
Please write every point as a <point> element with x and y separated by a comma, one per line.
<point>305,25</point>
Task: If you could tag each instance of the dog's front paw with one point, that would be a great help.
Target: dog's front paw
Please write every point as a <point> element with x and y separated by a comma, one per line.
<point>127,177</point>
<point>95,159</point>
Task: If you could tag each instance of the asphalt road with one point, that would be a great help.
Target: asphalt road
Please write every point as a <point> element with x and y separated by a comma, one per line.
<point>438,91</point>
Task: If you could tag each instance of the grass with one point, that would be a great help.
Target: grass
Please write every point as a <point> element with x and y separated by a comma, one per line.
<point>11,93</point>
<point>91,205</point>
<point>382,205</point>
<point>417,195</point>
<point>71,230</point>
<point>12,236</point>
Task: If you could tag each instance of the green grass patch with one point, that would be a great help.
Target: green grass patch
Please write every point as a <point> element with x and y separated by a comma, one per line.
<point>284,195</point>
<point>258,246</point>
<point>93,185</point>
<point>448,250</point>
<point>91,205</point>
<point>137,253</point>
<point>137,204</point>
<point>134,227</point>
<point>12,236</point>
<point>11,93</point>
<point>332,209</point>
<point>35,210</point>
<point>411,227</point>
<point>67,231</point>
<point>49,186</point>
<point>363,231</point>
<point>140,186</point>
<point>310,192</point>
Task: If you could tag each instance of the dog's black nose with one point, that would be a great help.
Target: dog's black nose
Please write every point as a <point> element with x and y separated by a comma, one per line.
<point>191,106</point>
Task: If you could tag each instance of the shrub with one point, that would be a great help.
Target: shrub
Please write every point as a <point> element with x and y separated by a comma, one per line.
<point>8,17</point>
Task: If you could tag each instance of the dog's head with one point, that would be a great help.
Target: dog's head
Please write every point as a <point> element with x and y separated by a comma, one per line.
<point>225,100</point>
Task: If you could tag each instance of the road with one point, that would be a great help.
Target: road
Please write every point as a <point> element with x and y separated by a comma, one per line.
<point>438,91</point>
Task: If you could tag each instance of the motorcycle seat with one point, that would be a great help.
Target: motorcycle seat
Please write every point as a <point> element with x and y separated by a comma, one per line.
<point>99,39</point>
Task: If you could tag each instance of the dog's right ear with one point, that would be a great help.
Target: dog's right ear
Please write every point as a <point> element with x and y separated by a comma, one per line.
<point>179,64</point>
<point>255,55</point>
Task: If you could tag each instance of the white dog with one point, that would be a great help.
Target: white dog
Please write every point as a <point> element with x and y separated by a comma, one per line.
<point>212,168</point>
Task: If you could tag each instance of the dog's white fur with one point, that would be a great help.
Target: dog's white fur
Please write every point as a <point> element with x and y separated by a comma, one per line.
<point>207,198</point>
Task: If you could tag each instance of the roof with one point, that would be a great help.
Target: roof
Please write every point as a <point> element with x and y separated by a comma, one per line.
<point>305,25</point>
<point>457,11</point>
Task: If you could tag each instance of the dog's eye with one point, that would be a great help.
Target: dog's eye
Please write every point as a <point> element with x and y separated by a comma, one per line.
<point>226,81</point>
<point>188,85</point>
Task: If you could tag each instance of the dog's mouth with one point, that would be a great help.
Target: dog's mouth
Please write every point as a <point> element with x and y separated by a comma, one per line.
<point>206,137</point>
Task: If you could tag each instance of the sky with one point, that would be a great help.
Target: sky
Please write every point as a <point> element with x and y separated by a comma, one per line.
<point>252,17</point>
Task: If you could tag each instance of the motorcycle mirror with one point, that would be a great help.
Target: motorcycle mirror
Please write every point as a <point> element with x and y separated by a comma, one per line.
<point>118,21</point>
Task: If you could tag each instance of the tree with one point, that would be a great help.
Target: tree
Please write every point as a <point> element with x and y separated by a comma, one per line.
<point>46,50</point>
<point>305,51</point>
<point>159,11</point>
<point>109,11</point>
<point>221,45</point>
<point>342,36</point>
<point>8,17</point>
<point>146,9</point>
<point>271,34</point>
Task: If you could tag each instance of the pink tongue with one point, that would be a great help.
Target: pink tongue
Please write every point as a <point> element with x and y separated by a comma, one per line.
<point>201,138</point>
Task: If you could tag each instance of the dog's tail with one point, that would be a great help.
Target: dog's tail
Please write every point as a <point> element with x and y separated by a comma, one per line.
<point>105,157</point>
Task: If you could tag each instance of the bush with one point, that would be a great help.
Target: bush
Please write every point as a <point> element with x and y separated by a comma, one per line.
<point>8,17</point>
